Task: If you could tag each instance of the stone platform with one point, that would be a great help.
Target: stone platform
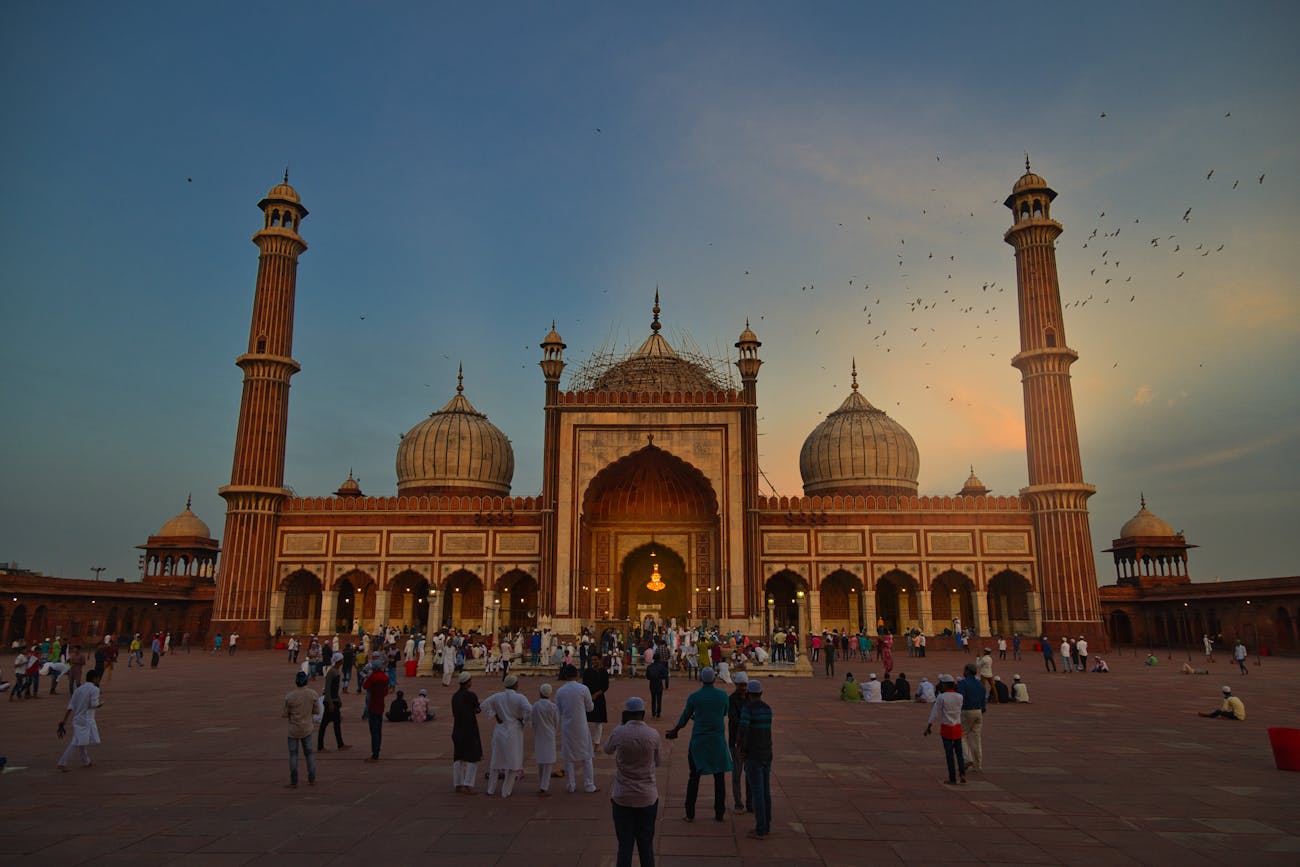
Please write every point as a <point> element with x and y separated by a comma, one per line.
<point>1100,769</point>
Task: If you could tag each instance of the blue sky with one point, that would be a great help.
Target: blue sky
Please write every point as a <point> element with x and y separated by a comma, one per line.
<point>474,173</point>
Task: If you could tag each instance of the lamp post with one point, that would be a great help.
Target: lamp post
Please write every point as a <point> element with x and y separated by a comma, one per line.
<point>97,570</point>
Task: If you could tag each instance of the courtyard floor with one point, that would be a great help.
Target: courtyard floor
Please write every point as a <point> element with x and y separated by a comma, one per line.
<point>1100,769</point>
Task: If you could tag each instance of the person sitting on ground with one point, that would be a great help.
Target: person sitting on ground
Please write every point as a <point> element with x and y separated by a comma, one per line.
<point>850,689</point>
<point>1187,669</point>
<point>902,689</point>
<point>398,711</point>
<point>420,710</point>
<point>925,691</point>
<point>1151,660</point>
<point>871,689</point>
<point>1232,707</point>
<point>1019,692</point>
<point>1004,694</point>
<point>1102,668</point>
<point>886,689</point>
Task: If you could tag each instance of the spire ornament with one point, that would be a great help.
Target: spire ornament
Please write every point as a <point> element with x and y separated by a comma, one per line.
<point>654,324</point>
<point>460,378</point>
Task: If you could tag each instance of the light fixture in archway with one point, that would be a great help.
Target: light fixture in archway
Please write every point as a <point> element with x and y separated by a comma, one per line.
<point>656,582</point>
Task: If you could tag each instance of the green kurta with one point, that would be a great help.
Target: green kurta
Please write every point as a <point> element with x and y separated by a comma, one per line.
<point>708,749</point>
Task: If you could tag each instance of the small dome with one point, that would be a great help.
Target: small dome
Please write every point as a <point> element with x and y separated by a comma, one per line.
<point>1144,523</point>
<point>1029,181</point>
<point>186,524</point>
<point>553,339</point>
<point>859,449</point>
<point>456,450</point>
<point>973,487</point>
<point>748,337</point>
<point>350,487</point>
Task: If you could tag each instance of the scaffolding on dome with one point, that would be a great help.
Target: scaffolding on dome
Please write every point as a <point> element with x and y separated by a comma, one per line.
<point>608,369</point>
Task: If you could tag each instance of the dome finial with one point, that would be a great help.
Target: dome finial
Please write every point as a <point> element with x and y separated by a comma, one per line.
<point>1026,162</point>
<point>1143,498</point>
<point>188,498</point>
<point>654,324</point>
<point>460,378</point>
<point>855,374</point>
<point>286,173</point>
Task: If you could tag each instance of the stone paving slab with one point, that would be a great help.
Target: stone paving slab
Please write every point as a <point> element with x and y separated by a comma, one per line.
<point>1100,769</point>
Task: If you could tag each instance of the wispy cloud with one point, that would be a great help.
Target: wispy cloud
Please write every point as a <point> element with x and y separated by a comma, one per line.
<point>1227,454</point>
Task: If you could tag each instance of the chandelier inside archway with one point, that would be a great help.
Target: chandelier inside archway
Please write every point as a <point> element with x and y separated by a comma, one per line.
<point>656,582</point>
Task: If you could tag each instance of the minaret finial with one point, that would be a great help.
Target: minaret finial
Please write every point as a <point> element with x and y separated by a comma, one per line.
<point>654,324</point>
<point>460,378</point>
<point>1144,499</point>
<point>188,498</point>
<point>1026,162</point>
<point>286,173</point>
<point>855,374</point>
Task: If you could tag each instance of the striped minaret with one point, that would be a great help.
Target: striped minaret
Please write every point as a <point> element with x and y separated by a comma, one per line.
<point>1067,574</point>
<point>256,490</point>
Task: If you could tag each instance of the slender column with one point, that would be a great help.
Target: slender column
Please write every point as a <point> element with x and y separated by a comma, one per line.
<point>815,612</point>
<point>329,604</point>
<point>869,606</point>
<point>979,605</point>
<point>924,615</point>
<point>382,604</point>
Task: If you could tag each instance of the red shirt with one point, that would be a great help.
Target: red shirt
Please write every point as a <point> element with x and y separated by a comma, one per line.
<point>376,687</point>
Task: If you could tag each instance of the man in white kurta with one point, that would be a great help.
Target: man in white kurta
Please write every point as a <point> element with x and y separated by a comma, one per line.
<point>574,703</point>
<point>81,708</point>
<point>448,662</point>
<point>546,722</point>
<point>511,712</point>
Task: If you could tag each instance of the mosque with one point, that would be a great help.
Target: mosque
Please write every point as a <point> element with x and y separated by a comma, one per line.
<point>650,504</point>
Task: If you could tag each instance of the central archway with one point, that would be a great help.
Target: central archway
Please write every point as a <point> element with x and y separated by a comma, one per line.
<point>673,600</point>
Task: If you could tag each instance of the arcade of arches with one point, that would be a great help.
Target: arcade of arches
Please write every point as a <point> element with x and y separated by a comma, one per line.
<point>897,602</point>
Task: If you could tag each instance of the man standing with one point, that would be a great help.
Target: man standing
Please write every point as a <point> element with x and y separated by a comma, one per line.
<point>657,673</point>
<point>575,704</point>
<point>708,752</point>
<point>467,748</point>
<point>546,721</point>
<point>85,731</point>
<point>1049,664</point>
<point>829,650</point>
<point>735,703</point>
<point>333,705</point>
<point>1209,646</point>
<point>635,798</point>
<point>948,711</point>
<point>234,642</point>
<point>1015,647</point>
<point>1239,654</point>
<point>299,704</point>
<point>1002,647</point>
<point>511,712</point>
<point>596,679</point>
<point>1232,707</point>
<point>985,664</point>
<point>448,661</point>
<point>1082,647</point>
<point>376,687</point>
<point>974,702</point>
<point>1067,663</point>
<point>755,750</point>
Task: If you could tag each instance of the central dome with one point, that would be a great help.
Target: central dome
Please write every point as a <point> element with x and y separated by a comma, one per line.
<point>656,366</point>
<point>858,449</point>
<point>456,450</point>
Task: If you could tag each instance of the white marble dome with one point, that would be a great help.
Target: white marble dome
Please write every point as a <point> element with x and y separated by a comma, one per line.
<point>859,449</point>
<point>456,450</point>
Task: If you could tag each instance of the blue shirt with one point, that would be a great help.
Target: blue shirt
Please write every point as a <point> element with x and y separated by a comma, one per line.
<point>973,694</point>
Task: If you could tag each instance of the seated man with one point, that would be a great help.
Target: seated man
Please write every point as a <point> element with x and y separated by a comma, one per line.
<point>850,689</point>
<point>925,691</point>
<point>1151,660</point>
<point>886,690</point>
<point>1019,692</point>
<point>398,711</point>
<point>1232,707</point>
<point>871,689</point>
<point>1004,694</point>
<point>1102,668</point>
<point>1187,669</point>
<point>420,710</point>
<point>902,689</point>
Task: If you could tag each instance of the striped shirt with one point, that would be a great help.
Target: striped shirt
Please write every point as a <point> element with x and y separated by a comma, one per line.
<point>754,735</point>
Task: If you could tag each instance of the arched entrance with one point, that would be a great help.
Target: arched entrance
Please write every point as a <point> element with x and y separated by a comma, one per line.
<point>647,494</point>
<point>841,602</point>
<point>786,595</point>
<point>18,625</point>
<point>1009,604</point>
<point>896,601</point>
<point>408,600</point>
<point>302,597</point>
<point>40,623</point>
<point>671,600</point>
<point>1284,629</point>
<point>517,591</point>
<point>462,601</point>
<point>1121,627</point>
<point>950,599</point>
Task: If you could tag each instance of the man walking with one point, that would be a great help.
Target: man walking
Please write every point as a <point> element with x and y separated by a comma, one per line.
<point>1049,664</point>
<point>333,705</point>
<point>574,703</point>
<point>708,753</point>
<point>754,747</point>
<point>1239,654</point>
<point>546,722</point>
<point>974,702</point>
<point>985,664</point>
<point>376,687</point>
<point>299,704</point>
<point>467,748</point>
<point>81,710</point>
<point>657,674</point>
<point>947,710</point>
<point>635,797</point>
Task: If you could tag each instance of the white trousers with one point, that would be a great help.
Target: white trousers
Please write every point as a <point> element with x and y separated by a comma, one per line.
<point>588,776</point>
<point>507,783</point>
<point>67,754</point>
<point>597,732</point>
<point>462,773</point>
<point>544,776</point>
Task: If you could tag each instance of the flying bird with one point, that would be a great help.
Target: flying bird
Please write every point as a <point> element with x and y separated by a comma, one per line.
<point>1210,175</point>
<point>1261,179</point>
<point>1186,214</point>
